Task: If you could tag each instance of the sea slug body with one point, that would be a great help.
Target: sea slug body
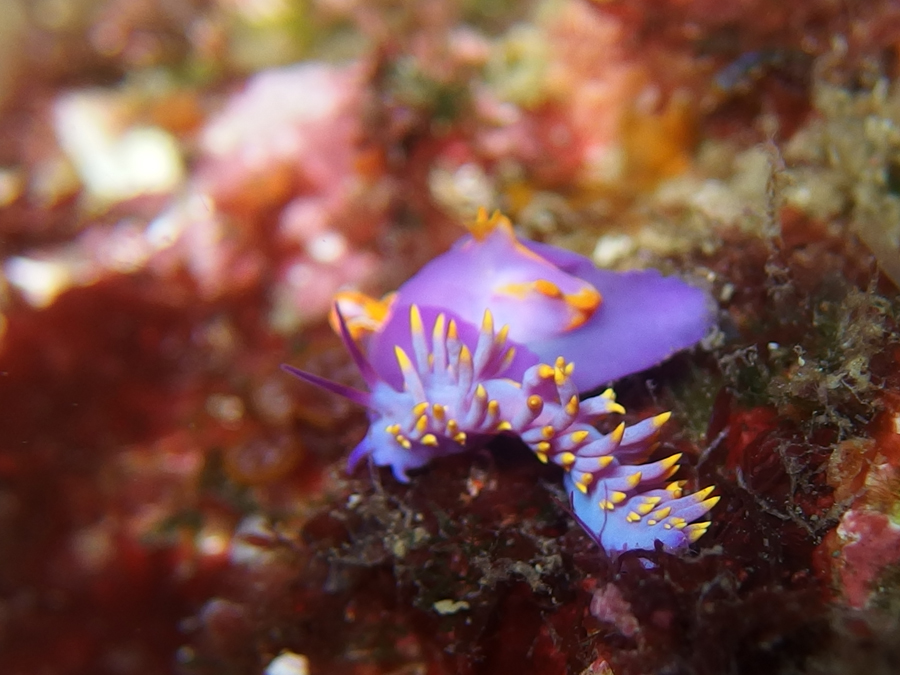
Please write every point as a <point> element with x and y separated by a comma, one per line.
<point>484,340</point>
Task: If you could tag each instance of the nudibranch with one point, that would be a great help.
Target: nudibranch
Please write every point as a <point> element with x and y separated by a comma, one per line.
<point>484,340</point>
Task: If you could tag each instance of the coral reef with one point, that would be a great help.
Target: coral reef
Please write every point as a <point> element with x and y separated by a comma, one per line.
<point>185,187</point>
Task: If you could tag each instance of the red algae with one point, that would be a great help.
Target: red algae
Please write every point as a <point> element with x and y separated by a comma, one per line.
<point>67,555</point>
<point>746,59</point>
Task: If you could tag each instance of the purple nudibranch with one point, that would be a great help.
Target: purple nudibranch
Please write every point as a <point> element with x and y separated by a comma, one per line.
<point>483,340</point>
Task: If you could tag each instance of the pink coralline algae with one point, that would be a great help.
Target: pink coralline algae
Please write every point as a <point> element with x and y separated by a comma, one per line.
<point>275,123</point>
<point>870,543</point>
<point>484,341</point>
<point>608,605</point>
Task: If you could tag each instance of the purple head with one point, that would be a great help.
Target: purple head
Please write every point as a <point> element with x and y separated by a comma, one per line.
<point>443,378</point>
<point>555,303</point>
